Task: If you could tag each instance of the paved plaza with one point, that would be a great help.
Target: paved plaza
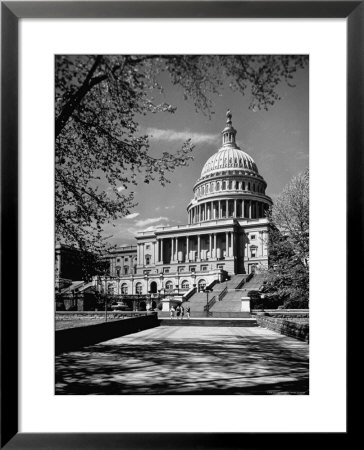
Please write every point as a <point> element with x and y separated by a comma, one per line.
<point>187,360</point>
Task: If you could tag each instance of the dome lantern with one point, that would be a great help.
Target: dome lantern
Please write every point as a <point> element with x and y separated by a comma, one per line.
<point>229,132</point>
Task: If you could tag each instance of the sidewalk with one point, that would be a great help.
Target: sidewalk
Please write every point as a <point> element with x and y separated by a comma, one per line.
<point>188,360</point>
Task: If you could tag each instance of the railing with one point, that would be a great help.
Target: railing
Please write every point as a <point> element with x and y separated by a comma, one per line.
<point>243,281</point>
<point>189,294</point>
<point>211,285</point>
<point>223,293</point>
<point>210,304</point>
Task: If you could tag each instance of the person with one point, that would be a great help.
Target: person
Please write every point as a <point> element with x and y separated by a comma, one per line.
<point>172,312</point>
<point>178,310</point>
<point>182,312</point>
<point>188,310</point>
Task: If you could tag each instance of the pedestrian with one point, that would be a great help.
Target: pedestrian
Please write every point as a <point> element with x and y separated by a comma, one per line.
<point>178,310</point>
<point>188,310</point>
<point>172,312</point>
<point>182,312</point>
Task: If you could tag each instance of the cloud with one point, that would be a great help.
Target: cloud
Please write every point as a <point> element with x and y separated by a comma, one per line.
<point>170,207</point>
<point>132,216</point>
<point>143,223</point>
<point>173,135</point>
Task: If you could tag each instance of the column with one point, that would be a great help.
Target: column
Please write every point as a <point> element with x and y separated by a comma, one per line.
<point>243,208</point>
<point>250,210</point>
<point>162,250</point>
<point>210,245</point>
<point>176,249</point>
<point>172,249</point>
<point>215,245</point>
<point>198,247</point>
<point>219,205</point>
<point>227,209</point>
<point>227,244</point>
<point>232,244</point>
<point>156,252</point>
<point>187,248</point>
<point>235,208</point>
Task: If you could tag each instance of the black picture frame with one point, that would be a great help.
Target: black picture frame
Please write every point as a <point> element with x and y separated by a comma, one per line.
<point>11,12</point>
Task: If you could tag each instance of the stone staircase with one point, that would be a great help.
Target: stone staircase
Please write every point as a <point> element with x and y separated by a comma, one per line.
<point>220,309</point>
<point>230,305</point>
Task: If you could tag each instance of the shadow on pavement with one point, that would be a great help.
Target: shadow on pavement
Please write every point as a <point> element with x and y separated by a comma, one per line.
<point>219,365</point>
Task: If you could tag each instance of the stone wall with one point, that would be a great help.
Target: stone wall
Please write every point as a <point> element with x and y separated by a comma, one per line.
<point>292,328</point>
<point>74,338</point>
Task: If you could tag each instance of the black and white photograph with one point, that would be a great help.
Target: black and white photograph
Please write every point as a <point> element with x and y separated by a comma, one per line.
<point>181,224</point>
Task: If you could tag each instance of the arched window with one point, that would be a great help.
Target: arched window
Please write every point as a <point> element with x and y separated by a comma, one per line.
<point>138,288</point>
<point>217,186</point>
<point>202,190</point>
<point>207,189</point>
<point>243,184</point>
<point>147,260</point>
<point>126,270</point>
<point>169,286</point>
<point>223,185</point>
<point>118,271</point>
<point>212,187</point>
<point>135,268</point>
<point>124,288</point>
<point>248,186</point>
<point>201,285</point>
<point>230,184</point>
<point>185,284</point>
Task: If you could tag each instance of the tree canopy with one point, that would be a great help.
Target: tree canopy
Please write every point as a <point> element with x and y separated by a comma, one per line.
<point>99,101</point>
<point>288,245</point>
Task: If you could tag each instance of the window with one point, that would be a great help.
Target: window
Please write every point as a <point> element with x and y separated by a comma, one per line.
<point>217,186</point>
<point>147,247</point>
<point>126,270</point>
<point>138,288</point>
<point>117,259</point>
<point>201,285</point>
<point>147,260</point>
<point>126,259</point>
<point>253,251</point>
<point>252,237</point>
<point>124,288</point>
<point>169,285</point>
<point>220,266</point>
<point>192,268</point>
<point>110,289</point>
<point>118,270</point>
<point>185,284</point>
<point>181,269</point>
<point>244,185</point>
<point>203,268</point>
<point>166,270</point>
<point>223,185</point>
<point>146,272</point>
<point>135,269</point>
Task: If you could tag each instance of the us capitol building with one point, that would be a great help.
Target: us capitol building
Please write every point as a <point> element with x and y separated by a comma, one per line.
<point>225,235</point>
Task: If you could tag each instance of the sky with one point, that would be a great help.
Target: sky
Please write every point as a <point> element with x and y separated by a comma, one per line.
<point>277,140</point>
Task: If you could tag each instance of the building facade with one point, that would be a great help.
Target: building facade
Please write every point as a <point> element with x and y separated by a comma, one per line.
<point>226,231</point>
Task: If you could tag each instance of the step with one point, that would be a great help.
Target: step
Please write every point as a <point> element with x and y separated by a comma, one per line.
<point>209,322</point>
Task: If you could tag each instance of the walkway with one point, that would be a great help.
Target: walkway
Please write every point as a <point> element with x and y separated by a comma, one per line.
<point>187,360</point>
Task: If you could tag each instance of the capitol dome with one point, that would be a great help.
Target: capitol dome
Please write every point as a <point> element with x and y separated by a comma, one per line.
<point>230,185</point>
<point>229,158</point>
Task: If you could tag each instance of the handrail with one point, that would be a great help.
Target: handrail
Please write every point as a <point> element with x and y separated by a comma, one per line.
<point>243,281</point>
<point>210,303</point>
<point>212,284</point>
<point>223,293</point>
<point>189,294</point>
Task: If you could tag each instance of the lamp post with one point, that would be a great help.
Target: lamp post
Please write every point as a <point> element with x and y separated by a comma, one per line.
<point>105,301</point>
<point>207,302</point>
